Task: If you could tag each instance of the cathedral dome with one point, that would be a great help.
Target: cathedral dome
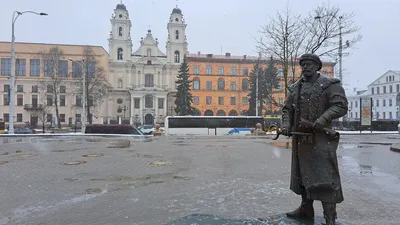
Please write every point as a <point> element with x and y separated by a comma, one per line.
<point>177,11</point>
<point>121,6</point>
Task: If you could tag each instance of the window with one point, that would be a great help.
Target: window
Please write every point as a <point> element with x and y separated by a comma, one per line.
<point>120,54</point>
<point>76,69</point>
<point>384,115</point>
<point>49,100</point>
<point>6,99</point>
<point>245,84</point>
<point>233,70</point>
<point>377,90</point>
<point>62,100</point>
<point>177,57</point>
<point>62,89</point>
<point>390,89</point>
<point>384,89</point>
<point>34,88</point>
<point>148,79</point>
<point>196,83</point>
<point>120,31</point>
<point>49,118</point>
<point>34,101</point>
<point>390,102</point>
<point>221,70</point>
<point>390,115</point>
<point>356,103</point>
<point>177,34</point>
<point>20,67</point>
<point>208,100</point>
<point>384,102</point>
<point>356,114</point>
<point>49,88</point>
<point>19,117</point>
<point>91,69</point>
<point>78,118</point>
<point>221,84</point>
<point>148,62</point>
<point>233,100</point>
<point>209,85</point>
<point>119,83</point>
<point>220,100</point>
<point>78,100</point>
<point>6,117</point>
<point>6,87</point>
<point>397,88</point>
<point>233,86</point>
<point>91,100</point>
<point>196,69</point>
<point>148,101</point>
<point>48,68</point>
<point>149,52</point>
<point>377,103</point>
<point>20,88</point>
<point>208,70</point>
<point>35,67</point>
<point>372,90</point>
<point>62,118</point>
<point>196,100</point>
<point>137,103</point>
<point>245,101</point>
<point>246,71</point>
<point>6,66</point>
<point>62,68</point>
<point>20,100</point>
<point>161,103</point>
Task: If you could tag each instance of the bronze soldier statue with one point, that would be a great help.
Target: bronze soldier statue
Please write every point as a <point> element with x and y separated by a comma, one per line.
<point>314,170</point>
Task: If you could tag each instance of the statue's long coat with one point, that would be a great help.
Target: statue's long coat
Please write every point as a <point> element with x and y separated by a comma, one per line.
<point>314,160</point>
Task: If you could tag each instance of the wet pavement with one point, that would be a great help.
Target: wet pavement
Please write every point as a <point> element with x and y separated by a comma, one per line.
<point>75,180</point>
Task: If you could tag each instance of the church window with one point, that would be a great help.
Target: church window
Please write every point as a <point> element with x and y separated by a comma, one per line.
<point>119,54</point>
<point>176,19</point>
<point>177,34</point>
<point>148,52</point>
<point>119,83</point>
<point>148,101</point>
<point>120,31</point>
<point>177,57</point>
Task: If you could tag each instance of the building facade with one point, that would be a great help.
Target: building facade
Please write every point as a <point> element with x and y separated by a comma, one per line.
<point>143,81</point>
<point>31,74</point>
<point>221,83</point>
<point>385,94</point>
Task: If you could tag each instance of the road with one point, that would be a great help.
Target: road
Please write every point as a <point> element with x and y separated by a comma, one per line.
<point>79,180</point>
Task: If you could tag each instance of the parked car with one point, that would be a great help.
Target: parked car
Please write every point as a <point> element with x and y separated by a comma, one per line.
<point>23,130</point>
<point>147,129</point>
<point>112,129</point>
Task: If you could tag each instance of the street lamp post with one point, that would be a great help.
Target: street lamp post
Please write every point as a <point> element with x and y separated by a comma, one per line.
<point>83,128</point>
<point>12,80</point>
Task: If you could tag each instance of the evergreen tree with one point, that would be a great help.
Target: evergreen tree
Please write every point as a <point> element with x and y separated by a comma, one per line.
<point>257,71</point>
<point>271,80</point>
<point>183,96</point>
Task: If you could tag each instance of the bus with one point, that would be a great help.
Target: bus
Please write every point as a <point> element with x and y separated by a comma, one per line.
<point>2,126</point>
<point>211,125</point>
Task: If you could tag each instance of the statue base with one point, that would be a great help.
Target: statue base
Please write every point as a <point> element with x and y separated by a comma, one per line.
<point>281,219</point>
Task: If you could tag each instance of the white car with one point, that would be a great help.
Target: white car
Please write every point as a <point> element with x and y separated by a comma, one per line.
<point>147,129</point>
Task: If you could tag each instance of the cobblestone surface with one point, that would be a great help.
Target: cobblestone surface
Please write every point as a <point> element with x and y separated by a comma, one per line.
<point>162,180</point>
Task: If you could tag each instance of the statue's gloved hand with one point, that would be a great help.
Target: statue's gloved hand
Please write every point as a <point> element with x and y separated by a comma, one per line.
<point>286,130</point>
<point>320,123</point>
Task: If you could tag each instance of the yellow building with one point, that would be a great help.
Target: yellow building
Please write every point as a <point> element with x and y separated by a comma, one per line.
<point>29,71</point>
<point>221,83</point>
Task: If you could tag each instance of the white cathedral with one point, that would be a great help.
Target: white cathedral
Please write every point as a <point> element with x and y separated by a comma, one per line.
<point>143,81</point>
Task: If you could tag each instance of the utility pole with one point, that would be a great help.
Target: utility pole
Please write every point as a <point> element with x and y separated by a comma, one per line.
<point>340,50</point>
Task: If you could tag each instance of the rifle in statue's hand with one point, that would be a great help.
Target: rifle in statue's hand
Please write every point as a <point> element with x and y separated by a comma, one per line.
<point>273,127</point>
<point>308,124</point>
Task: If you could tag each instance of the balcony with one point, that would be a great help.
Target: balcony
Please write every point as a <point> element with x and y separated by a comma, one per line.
<point>33,107</point>
<point>144,87</point>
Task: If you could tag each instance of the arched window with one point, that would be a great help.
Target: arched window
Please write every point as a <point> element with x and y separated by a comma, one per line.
<point>119,54</point>
<point>177,57</point>
<point>196,83</point>
<point>221,113</point>
<point>148,101</point>
<point>245,84</point>
<point>119,83</point>
<point>208,113</point>
<point>120,31</point>
<point>177,34</point>
<point>149,80</point>
<point>221,84</point>
<point>233,113</point>
<point>148,52</point>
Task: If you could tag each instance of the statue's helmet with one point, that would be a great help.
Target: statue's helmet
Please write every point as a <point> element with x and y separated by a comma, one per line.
<point>312,57</point>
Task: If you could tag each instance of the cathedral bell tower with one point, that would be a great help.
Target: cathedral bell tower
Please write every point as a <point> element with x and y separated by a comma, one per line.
<point>120,43</point>
<point>176,42</point>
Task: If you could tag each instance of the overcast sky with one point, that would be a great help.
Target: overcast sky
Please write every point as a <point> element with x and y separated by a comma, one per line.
<point>212,24</point>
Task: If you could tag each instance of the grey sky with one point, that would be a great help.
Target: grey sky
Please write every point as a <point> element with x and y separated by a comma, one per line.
<point>231,24</point>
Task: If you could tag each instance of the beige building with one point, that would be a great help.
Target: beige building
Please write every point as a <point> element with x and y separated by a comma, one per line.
<point>30,73</point>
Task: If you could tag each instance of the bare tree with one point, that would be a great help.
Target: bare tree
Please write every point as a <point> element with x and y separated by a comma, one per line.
<point>97,85</point>
<point>55,70</point>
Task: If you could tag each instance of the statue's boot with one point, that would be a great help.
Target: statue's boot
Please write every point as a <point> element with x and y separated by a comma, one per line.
<point>329,212</point>
<point>306,208</point>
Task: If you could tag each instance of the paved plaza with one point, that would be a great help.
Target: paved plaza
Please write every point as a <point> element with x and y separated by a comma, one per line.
<point>79,180</point>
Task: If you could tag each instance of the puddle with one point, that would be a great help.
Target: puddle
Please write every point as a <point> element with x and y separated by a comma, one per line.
<point>145,156</point>
<point>93,155</point>
<point>93,191</point>
<point>74,163</point>
<point>182,178</point>
<point>160,163</point>
<point>71,179</point>
<point>24,155</point>
<point>3,162</point>
<point>286,145</point>
<point>354,146</point>
<point>365,169</point>
<point>69,150</point>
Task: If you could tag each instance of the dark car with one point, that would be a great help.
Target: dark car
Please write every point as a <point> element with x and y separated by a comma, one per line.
<point>23,130</point>
<point>112,129</point>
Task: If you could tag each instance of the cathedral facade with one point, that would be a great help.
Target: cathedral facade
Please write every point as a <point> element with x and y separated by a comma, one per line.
<point>143,79</point>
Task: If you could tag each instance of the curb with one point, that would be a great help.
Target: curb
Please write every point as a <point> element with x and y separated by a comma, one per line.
<point>395,148</point>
